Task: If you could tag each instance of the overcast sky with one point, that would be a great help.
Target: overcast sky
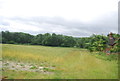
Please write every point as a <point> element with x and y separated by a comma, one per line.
<point>68,17</point>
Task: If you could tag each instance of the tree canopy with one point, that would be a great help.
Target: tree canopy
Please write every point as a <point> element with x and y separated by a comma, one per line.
<point>93,43</point>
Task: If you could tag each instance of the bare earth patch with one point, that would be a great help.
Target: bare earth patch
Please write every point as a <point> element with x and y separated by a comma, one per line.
<point>20,66</point>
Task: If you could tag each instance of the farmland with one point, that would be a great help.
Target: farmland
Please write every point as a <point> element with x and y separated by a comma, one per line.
<point>55,63</point>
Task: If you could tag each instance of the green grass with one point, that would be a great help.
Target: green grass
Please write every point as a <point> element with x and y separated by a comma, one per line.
<point>69,63</point>
<point>33,67</point>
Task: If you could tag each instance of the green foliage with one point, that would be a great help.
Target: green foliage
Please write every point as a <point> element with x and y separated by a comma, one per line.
<point>92,43</point>
<point>48,69</point>
<point>103,56</point>
<point>16,37</point>
<point>116,47</point>
<point>11,42</point>
<point>68,41</point>
<point>37,39</point>
<point>33,67</point>
<point>97,43</point>
<point>83,42</point>
<point>41,39</point>
<point>0,37</point>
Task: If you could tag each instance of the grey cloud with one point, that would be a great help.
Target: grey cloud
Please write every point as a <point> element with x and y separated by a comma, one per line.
<point>102,25</point>
<point>3,21</point>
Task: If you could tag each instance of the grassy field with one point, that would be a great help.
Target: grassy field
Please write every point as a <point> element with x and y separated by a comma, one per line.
<point>68,63</point>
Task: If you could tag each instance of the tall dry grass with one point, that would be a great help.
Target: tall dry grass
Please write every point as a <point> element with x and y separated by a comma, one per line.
<point>72,63</point>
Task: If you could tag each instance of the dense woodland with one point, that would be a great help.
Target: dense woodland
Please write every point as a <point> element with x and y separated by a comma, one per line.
<point>93,43</point>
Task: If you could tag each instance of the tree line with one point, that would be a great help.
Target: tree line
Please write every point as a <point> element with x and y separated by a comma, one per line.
<point>93,43</point>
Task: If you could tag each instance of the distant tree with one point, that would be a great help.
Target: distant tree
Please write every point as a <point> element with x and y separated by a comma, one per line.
<point>5,36</point>
<point>68,41</point>
<point>0,37</point>
<point>93,43</point>
<point>38,39</point>
<point>16,37</point>
<point>46,38</point>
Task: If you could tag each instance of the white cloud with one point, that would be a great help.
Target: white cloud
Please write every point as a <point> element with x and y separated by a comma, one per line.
<point>70,17</point>
<point>84,10</point>
<point>18,27</point>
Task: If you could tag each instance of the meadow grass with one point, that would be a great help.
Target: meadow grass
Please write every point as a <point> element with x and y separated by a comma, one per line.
<point>69,63</point>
